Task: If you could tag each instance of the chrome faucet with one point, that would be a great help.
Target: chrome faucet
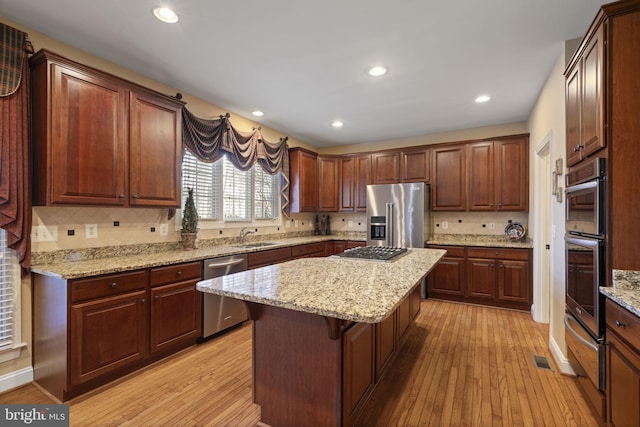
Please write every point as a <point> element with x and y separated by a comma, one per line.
<point>243,233</point>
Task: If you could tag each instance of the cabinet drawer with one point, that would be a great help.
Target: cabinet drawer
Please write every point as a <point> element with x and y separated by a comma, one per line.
<point>176,273</point>
<point>582,258</point>
<point>316,249</point>
<point>271,256</point>
<point>498,253</point>
<point>624,323</point>
<point>113,284</point>
<point>452,251</point>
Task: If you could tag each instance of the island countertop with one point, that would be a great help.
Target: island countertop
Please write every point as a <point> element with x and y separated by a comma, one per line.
<point>342,288</point>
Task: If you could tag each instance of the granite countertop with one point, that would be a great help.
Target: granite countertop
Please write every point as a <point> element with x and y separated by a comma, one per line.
<point>625,290</point>
<point>494,241</point>
<point>343,288</point>
<point>74,267</point>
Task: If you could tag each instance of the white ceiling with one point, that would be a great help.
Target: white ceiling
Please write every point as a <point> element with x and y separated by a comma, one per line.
<point>304,62</point>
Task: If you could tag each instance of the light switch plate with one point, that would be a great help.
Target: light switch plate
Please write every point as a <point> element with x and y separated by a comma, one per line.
<point>42,233</point>
<point>91,231</point>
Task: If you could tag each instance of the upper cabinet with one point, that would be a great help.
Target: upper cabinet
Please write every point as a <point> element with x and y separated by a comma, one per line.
<point>355,175</point>
<point>386,167</point>
<point>303,166</point>
<point>584,101</point>
<point>415,165</point>
<point>449,185</point>
<point>100,140</point>
<point>498,175</point>
<point>328,183</point>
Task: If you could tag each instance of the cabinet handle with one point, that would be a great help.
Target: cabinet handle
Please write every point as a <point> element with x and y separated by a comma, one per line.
<point>114,285</point>
<point>179,273</point>
<point>619,324</point>
<point>120,196</point>
<point>143,301</point>
<point>156,298</point>
<point>135,196</point>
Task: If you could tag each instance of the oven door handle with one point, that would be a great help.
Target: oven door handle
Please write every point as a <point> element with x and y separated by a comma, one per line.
<point>590,242</point>
<point>567,319</point>
<point>579,187</point>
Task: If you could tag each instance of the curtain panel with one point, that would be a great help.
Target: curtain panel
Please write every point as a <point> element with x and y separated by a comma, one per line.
<point>210,139</point>
<point>15,171</point>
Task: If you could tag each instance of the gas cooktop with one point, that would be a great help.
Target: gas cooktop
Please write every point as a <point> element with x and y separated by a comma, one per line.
<point>375,253</point>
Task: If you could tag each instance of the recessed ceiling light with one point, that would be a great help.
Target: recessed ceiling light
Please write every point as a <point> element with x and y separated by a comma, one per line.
<point>165,15</point>
<point>377,71</point>
<point>337,124</point>
<point>257,113</point>
<point>483,98</point>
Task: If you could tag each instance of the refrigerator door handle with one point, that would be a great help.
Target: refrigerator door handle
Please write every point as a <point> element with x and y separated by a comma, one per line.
<point>389,224</point>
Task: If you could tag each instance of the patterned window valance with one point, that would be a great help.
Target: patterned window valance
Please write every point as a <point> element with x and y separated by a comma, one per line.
<point>210,139</point>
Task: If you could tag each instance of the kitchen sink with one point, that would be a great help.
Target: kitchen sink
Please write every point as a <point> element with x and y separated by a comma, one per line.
<point>255,245</point>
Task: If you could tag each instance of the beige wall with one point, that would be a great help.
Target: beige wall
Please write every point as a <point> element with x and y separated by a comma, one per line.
<point>548,119</point>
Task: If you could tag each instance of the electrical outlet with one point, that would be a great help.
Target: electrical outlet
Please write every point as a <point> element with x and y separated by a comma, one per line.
<point>91,231</point>
<point>445,225</point>
<point>164,229</point>
<point>295,223</point>
<point>288,224</point>
<point>350,224</point>
<point>42,233</point>
<point>492,226</point>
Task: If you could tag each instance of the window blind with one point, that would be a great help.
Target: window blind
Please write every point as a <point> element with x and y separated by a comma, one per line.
<point>7,268</point>
<point>263,194</point>
<point>237,192</point>
<point>202,177</point>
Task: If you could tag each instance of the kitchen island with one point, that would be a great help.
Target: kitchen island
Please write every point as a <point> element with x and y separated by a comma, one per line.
<point>325,330</point>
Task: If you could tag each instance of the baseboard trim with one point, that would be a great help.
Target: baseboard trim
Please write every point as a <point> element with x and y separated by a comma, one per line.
<point>16,379</point>
<point>561,360</point>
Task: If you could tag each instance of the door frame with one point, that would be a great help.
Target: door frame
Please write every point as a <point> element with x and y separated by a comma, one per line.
<point>543,231</point>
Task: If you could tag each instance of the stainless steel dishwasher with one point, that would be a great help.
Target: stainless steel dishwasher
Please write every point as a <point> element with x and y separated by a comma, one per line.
<point>220,313</point>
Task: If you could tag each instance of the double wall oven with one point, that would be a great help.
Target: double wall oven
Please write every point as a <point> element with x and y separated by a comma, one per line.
<point>585,267</point>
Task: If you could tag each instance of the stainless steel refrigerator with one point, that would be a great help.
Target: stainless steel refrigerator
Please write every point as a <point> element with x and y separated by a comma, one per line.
<point>398,215</point>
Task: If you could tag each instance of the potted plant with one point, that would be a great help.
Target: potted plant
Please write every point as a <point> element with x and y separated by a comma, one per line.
<point>189,231</point>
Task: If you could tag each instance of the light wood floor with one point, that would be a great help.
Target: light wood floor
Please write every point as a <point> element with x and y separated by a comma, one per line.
<point>460,365</point>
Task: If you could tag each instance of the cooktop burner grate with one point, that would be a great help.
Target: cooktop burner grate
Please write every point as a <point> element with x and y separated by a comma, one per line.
<point>376,253</point>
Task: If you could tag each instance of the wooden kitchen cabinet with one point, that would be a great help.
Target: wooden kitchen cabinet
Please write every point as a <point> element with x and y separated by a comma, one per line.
<point>268,257</point>
<point>386,167</point>
<point>584,99</point>
<point>355,175</point>
<point>175,306</point>
<point>386,342</point>
<point>358,369</point>
<point>623,365</point>
<point>309,250</point>
<point>328,183</point>
<point>100,140</point>
<point>303,166</point>
<point>89,331</point>
<point>448,277</point>
<point>498,175</point>
<point>415,165</point>
<point>449,185</point>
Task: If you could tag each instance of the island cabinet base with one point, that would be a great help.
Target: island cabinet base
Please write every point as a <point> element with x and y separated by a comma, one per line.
<point>311,370</point>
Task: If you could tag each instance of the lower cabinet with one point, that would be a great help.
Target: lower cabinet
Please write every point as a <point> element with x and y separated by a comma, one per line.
<point>492,276</point>
<point>623,366</point>
<point>358,369</point>
<point>111,325</point>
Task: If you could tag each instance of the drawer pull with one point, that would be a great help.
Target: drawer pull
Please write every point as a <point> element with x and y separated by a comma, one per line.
<point>179,273</point>
<point>619,324</point>
<point>156,298</point>
<point>114,285</point>
<point>143,300</point>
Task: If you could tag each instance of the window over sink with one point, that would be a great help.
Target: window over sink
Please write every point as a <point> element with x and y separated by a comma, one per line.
<point>224,193</point>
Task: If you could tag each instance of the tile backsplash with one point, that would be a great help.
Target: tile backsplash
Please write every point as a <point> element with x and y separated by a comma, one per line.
<point>487,223</point>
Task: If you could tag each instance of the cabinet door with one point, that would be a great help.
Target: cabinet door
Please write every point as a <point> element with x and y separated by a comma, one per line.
<point>386,168</point>
<point>155,151</point>
<point>338,246</point>
<point>514,283</point>
<point>623,383</point>
<point>355,244</point>
<point>347,184</point>
<point>362,179</point>
<point>385,343</point>
<point>572,111</point>
<point>448,189</point>
<point>481,182</point>
<point>107,334</point>
<point>358,374</point>
<point>481,278</point>
<point>415,301</point>
<point>591,122</point>
<point>88,146</point>
<point>303,180</point>
<point>512,175</point>
<point>403,314</point>
<point>415,166</point>
<point>328,176</point>
<point>447,278</point>
<point>175,315</point>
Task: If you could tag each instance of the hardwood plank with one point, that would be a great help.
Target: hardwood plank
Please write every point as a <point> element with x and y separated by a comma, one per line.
<point>459,365</point>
